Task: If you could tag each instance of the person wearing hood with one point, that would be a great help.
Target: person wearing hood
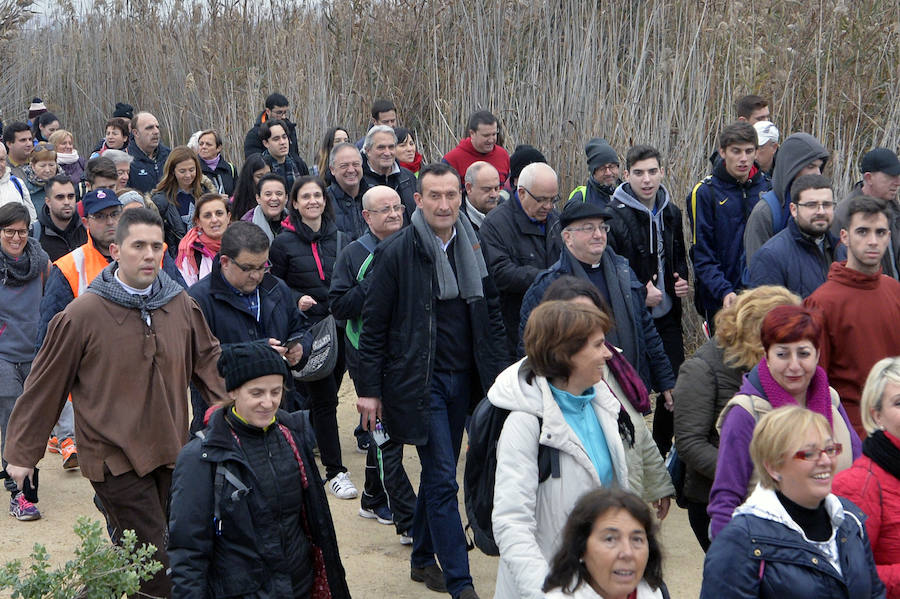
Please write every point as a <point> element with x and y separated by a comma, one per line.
<point>647,231</point>
<point>128,384</point>
<point>303,256</point>
<point>719,207</point>
<point>800,154</point>
<point>880,170</point>
<point>481,144</point>
<point>859,306</point>
<point>603,164</point>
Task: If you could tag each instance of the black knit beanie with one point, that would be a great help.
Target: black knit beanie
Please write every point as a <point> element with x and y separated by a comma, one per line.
<point>242,362</point>
<point>123,110</point>
<point>522,157</point>
<point>599,152</point>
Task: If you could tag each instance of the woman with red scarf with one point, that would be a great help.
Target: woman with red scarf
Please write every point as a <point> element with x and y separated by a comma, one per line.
<point>788,374</point>
<point>407,155</point>
<point>201,243</point>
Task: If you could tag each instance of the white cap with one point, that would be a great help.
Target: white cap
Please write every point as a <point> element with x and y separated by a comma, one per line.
<point>766,131</point>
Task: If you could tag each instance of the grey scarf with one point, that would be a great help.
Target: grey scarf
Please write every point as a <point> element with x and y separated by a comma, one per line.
<point>470,266</point>
<point>31,264</point>
<point>162,292</point>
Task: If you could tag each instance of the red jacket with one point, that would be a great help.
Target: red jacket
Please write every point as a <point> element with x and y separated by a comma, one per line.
<point>464,154</point>
<point>859,315</point>
<point>877,493</point>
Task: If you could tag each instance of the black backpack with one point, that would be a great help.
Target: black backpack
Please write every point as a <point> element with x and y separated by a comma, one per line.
<point>481,465</point>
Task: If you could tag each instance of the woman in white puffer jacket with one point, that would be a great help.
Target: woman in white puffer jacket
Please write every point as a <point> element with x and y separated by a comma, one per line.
<point>557,398</point>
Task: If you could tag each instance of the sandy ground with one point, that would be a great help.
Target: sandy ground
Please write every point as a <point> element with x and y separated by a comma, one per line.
<point>377,565</point>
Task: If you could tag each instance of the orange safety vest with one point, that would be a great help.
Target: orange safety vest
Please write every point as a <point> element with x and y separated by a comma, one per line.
<point>83,264</point>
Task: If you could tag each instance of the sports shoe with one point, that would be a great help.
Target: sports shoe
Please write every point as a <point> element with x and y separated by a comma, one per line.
<point>22,509</point>
<point>431,575</point>
<point>468,593</point>
<point>69,454</point>
<point>342,487</point>
<point>382,513</point>
<point>53,445</point>
<point>406,538</point>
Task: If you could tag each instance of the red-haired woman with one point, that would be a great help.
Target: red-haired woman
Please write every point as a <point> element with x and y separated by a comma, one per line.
<point>788,374</point>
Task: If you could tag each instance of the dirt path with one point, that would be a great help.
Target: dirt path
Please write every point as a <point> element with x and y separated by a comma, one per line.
<point>377,564</point>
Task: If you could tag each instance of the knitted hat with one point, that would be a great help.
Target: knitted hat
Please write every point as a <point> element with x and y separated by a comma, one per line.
<point>37,108</point>
<point>599,152</point>
<point>132,197</point>
<point>123,110</point>
<point>522,157</point>
<point>242,362</point>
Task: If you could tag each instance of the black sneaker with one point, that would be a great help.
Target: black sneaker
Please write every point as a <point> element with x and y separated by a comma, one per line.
<point>468,593</point>
<point>431,575</point>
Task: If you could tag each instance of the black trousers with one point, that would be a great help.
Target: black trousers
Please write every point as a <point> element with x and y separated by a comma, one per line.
<point>387,484</point>
<point>699,520</point>
<point>323,402</point>
<point>669,329</point>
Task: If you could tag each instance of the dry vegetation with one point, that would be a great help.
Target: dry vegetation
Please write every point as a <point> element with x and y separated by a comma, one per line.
<point>664,72</point>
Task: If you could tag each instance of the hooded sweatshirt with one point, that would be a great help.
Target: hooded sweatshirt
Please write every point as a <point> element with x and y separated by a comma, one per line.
<point>463,155</point>
<point>655,229</point>
<point>9,192</point>
<point>796,152</point>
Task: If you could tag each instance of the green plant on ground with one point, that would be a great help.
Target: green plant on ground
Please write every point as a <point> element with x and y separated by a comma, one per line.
<point>99,570</point>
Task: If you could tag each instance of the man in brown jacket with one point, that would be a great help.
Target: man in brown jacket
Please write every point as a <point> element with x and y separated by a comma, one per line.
<point>126,351</point>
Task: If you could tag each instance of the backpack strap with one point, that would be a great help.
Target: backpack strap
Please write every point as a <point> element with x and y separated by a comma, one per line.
<point>15,181</point>
<point>548,458</point>
<point>779,213</point>
<point>223,474</point>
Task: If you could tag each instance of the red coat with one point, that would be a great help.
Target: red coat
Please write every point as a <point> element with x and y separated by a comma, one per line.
<point>463,155</point>
<point>877,493</point>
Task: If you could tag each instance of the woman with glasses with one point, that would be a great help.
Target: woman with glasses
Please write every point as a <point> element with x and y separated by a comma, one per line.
<point>873,482</point>
<point>787,375</point>
<point>201,243</point>
<point>793,537</point>
<point>303,256</point>
<point>24,267</point>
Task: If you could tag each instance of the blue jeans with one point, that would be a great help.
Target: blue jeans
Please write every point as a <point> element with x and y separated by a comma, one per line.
<point>437,527</point>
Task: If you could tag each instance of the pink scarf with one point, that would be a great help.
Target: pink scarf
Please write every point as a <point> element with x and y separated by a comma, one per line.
<point>818,395</point>
<point>194,239</point>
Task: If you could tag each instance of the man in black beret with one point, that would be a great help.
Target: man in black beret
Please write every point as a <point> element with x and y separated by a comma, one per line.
<point>586,255</point>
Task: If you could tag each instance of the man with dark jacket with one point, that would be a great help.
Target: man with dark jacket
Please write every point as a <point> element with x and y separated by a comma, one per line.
<point>149,153</point>
<point>274,136</point>
<point>59,229</point>
<point>799,256</point>
<point>350,281</point>
<point>880,169</point>
<point>347,191</point>
<point>431,346</point>
<point>586,255</point>
<point>719,207</point>
<point>800,154</point>
<point>647,231</point>
<point>277,108</point>
<point>520,239</point>
<point>482,184</point>
<point>243,302</point>
<point>380,166</point>
<point>603,164</point>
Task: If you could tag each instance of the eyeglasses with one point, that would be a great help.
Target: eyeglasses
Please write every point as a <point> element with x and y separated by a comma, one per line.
<point>812,455</point>
<point>590,228</point>
<point>826,206</point>
<point>251,268</point>
<point>551,201</point>
<point>10,233</point>
<point>398,208</point>
<point>609,167</point>
<point>114,215</point>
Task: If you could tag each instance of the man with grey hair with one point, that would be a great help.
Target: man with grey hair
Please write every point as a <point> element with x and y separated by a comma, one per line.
<point>520,238</point>
<point>482,185</point>
<point>388,495</point>
<point>123,161</point>
<point>346,192</point>
<point>380,166</point>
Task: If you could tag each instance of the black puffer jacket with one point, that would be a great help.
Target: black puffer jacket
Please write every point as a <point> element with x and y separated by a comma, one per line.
<point>348,211</point>
<point>304,259</point>
<point>255,546</point>
<point>705,384</point>
<point>398,340</point>
<point>223,177</point>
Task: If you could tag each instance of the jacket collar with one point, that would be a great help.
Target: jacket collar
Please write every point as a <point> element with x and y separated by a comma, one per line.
<point>764,504</point>
<point>839,273</point>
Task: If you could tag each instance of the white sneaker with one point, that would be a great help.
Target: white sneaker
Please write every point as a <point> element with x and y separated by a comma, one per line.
<point>342,487</point>
<point>406,538</point>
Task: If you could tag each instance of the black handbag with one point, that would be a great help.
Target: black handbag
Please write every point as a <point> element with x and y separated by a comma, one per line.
<point>324,353</point>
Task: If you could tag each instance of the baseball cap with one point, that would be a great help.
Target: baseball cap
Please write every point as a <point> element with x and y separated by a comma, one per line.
<point>766,131</point>
<point>99,199</point>
<point>880,160</point>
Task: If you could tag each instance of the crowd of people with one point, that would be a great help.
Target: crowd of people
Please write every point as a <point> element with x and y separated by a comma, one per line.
<point>461,294</point>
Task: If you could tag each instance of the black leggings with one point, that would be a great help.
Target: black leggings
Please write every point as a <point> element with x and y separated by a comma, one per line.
<point>323,402</point>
